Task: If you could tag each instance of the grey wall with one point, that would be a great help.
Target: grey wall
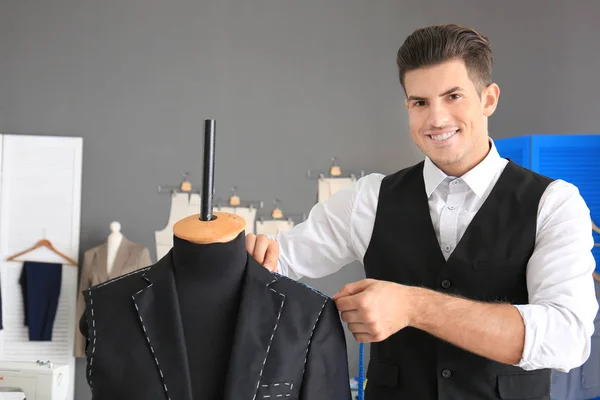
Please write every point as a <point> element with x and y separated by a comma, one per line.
<point>136,78</point>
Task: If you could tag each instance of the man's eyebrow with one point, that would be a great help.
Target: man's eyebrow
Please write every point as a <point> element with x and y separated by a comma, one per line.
<point>452,90</point>
<point>447,92</point>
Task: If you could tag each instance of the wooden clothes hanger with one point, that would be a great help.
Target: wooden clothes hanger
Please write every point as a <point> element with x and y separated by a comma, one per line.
<point>43,243</point>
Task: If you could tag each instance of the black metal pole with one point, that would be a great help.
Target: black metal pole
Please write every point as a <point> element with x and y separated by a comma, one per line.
<point>208,178</point>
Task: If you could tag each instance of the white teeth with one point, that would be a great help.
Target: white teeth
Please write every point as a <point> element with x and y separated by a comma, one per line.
<point>443,136</point>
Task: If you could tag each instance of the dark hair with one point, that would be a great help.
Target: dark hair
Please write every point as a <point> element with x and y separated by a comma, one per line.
<point>440,43</point>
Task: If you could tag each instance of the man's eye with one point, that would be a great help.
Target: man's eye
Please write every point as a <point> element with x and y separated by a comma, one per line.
<point>419,103</point>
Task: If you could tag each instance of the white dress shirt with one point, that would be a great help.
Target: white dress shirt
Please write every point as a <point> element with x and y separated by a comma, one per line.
<point>559,320</point>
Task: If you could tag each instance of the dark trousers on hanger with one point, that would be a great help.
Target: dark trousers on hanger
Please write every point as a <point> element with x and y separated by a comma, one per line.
<point>40,283</point>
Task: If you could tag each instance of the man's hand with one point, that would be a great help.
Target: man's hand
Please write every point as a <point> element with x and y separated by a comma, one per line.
<point>374,310</point>
<point>264,250</point>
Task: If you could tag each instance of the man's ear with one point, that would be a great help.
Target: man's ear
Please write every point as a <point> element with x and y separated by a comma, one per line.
<point>406,103</point>
<point>490,97</point>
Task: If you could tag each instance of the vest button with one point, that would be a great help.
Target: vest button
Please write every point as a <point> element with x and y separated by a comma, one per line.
<point>446,284</point>
<point>446,373</point>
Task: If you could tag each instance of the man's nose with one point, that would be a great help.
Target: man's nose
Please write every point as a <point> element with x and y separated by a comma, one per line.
<point>438,116</point>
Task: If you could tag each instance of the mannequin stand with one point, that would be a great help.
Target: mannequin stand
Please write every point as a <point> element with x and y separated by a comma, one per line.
<point>207,227</point>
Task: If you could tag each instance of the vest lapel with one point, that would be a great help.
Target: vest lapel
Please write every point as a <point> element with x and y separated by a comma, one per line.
<point>489,219</point>
<point>422,213</point>
<point>158,311</point>
<point>472,236</point>
<point>258,318</point>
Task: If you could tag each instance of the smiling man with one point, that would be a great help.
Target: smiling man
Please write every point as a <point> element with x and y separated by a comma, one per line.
<point>479,272</point>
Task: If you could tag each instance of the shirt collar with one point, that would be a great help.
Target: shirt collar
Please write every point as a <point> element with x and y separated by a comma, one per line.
<point>478,179</point>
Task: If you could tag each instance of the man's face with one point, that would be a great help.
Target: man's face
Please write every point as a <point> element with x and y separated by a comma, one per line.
<point>448,116</point>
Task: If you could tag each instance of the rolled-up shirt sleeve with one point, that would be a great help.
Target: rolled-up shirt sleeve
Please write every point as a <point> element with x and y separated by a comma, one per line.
<point>335,233</point>
<point>559,319</point>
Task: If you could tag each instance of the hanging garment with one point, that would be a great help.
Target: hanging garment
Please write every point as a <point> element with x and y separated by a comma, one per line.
<point>182,205</point>
<point>248,214</point>
<point>130,257</point>
<point>582,383</point>
<point>273,226</point>
<point>288,343</point>
<point>40,284</point>
<point>329,186</point>
<point>489,264</point>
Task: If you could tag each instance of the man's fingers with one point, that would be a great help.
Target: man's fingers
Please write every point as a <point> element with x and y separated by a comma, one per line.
<point>364,338</point>
<point>352,288</point>
<point>352,316</point>
<point>272,256</point>
<point>357,328</point>
<point>260,248</point>
<point>250,242</point>
<point>348,303</point>
<point>264,250</point>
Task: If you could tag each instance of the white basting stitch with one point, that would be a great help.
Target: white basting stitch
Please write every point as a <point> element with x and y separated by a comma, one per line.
<point>301,283</point>
<point>122,276</point>
<point>291,385</point>
<point>150,344</point>
<point>270,341</point>
<point>278,384</point>
<point>311,334</point>
<point>94,340</point>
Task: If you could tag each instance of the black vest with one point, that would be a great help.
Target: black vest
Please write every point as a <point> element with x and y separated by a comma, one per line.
<point>488,264</point>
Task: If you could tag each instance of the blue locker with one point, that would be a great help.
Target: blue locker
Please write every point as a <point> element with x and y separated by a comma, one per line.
<point>518,149</point>
<point>573,158</point>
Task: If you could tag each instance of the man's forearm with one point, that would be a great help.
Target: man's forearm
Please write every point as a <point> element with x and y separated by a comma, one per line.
<point>491,330</point>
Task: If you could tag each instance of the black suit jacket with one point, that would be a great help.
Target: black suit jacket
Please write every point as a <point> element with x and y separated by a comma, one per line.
<point>289,341</point>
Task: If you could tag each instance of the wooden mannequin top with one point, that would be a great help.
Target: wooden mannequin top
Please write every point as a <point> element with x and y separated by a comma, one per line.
<point>224,227</point>
<point>208,227</point>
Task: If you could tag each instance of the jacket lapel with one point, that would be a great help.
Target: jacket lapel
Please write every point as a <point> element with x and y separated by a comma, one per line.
<point>157,306</point>
<point>121,257</point>
<point>257,322</point>
<point>101,258</point>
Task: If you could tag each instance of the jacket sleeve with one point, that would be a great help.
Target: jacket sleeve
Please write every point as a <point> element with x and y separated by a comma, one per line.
<point>327,376</point>
<point>84,284</point>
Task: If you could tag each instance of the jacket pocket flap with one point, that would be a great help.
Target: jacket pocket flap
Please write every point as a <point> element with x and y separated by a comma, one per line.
<point>382,373</point>
<point>526,385</point>
<point>275,390</point>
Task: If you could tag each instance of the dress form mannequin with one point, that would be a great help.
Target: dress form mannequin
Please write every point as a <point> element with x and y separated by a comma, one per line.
<point>209,263</point>
<point>207,321</point>
<point>114,241</point>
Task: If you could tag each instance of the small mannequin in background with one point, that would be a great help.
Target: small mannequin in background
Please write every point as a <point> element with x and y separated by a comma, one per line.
<point>115,257</point>
<point>114,241</point>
